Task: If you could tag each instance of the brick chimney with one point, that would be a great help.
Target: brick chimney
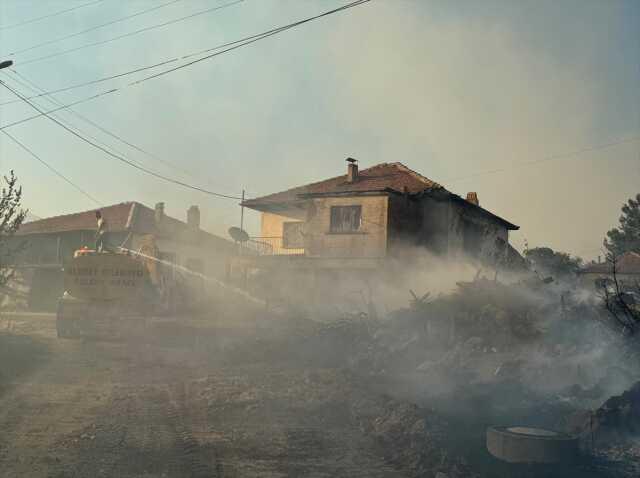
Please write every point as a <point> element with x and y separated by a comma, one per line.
<point>159,213</point>
<point>352,170</point>
<point>472,197</point>
<point>193,217</point>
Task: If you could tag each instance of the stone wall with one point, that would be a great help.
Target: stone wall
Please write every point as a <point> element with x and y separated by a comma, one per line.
<point>369,241</point>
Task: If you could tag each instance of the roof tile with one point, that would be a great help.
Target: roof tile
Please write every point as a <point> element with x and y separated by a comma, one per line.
<point>627,263</point>
<point>381,177</point>
<point>115,215</point>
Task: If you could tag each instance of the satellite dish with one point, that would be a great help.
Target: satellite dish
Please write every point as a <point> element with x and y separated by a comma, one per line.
<point>238,234</point>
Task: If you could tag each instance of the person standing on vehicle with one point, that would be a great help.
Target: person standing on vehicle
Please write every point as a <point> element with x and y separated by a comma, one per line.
<point>101,233</point>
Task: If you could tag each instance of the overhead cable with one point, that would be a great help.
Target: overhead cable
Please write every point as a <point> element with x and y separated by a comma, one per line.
<point>37,89</point>
<point>87,30</point>
<point>70,125</point>
<point>92,82</point>
<point>37,19</point>
<point>135,32</point>
<point>554,157</point>
<point>42,113</point>
<point>254,38</point>
<point>122,159</point>
<point>241,42</point>
<point>51,168</point>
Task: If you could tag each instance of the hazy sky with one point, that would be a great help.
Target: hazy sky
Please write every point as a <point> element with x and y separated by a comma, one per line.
<point>478,95</point>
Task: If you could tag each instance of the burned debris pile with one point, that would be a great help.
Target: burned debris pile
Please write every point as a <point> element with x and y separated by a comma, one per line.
<point>424,382</point>
<point>619,417</point>
<point>611,434</point>
<point>409,438</point>
<point>480,318</point>
<point>532,353</point>
<point>550,338</point>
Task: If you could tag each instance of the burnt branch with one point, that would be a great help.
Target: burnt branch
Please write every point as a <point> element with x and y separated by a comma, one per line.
<point>619,303</point>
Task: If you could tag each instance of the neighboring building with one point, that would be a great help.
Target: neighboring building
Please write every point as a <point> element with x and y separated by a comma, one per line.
<point>50,242</point>
<point>627,271</point>
<point>363,218</point>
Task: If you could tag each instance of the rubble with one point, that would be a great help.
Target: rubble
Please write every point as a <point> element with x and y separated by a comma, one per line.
<point>611,434</point>
<point>618,419</point>
<point>533,353</point>
<point>490,331</point>
<point>410,438</point>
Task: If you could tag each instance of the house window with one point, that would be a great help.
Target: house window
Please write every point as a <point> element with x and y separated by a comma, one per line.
<point>292,237</point>
<point>345,218</point>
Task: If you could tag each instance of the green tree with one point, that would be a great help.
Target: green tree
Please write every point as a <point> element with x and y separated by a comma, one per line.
<point>11,217</point>
<point>549,262</point>
<point>626,237</point>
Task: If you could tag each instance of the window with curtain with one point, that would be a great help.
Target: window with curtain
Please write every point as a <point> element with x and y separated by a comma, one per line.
<point>345,218</point>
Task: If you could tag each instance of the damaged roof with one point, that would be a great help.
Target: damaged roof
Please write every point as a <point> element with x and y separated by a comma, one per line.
<point>384,177</point>
<point>381,177</point>
<point>627,263</point>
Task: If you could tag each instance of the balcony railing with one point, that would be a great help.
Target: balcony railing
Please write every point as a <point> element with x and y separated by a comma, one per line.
<point>269,246</point>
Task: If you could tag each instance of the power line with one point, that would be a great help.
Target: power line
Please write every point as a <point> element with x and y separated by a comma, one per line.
<point>190,55</point>
<point>136,32</point>
<point>112,22</point>
<point>136,70</point>
<point>51,168</point>
<point>237,43</point>
<point>116,156</point>
<point>92,82</point>
<point>554,157</point>
<point>42,113</point>
<point>37,89</point>
<point>277,30</point>
<point>255,38</point>
<point>25,22</point>
<point>54,102</point>
<point>34,87</point>
<point>125,73</point>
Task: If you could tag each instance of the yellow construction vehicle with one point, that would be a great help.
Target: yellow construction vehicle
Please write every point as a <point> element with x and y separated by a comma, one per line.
<point>109,295</point>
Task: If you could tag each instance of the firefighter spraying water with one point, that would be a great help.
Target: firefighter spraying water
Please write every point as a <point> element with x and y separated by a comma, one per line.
<point>104,288</point>
<point>113,291</point>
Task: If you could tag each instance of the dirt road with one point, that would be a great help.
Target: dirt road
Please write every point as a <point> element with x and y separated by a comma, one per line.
<point>135,410</point>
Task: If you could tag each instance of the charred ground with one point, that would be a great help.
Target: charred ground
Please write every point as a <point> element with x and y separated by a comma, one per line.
<point>410,393</point>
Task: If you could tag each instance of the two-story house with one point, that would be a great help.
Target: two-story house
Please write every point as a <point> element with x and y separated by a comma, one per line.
<point>366,219</point>
<point>375,213</point>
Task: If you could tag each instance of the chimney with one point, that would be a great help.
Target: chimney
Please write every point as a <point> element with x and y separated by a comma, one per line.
<point>352,170</point>
<point>193,217</point>
<point>472,197</point>
<point>159,213</point>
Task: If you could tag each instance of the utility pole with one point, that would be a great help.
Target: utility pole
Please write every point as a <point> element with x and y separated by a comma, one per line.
<point>242,212</point>
<point>5,64</point>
